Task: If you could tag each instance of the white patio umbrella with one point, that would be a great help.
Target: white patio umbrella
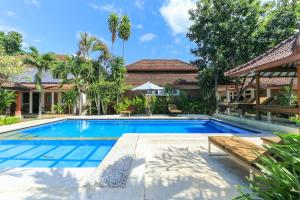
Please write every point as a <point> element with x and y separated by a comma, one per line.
<point>147,86</point>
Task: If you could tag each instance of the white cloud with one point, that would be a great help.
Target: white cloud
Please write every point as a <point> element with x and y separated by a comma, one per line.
<point>139,26</point>
<point>147,37</point>
<point>174,52</point>
<point>177,41</point>
<point>37,40</point>
<point>176,14</point>
<point>25,45</point>
<point>5,28</point>
<point>33,2</point>
<point>10,13</point>
<point>106,7</point>
<point>139,4</point>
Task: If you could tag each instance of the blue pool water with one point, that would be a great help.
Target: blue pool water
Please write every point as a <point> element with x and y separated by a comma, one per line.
<point>49,153</point>
<point>84,143</point>
<point>115,128</point>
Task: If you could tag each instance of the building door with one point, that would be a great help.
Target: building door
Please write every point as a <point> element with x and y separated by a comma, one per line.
<point>25,103</point>
<point>35,102</point>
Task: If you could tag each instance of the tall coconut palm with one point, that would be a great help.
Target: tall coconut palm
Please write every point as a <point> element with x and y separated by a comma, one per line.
<point>42,62</point>
<point>113,23</point>
<point>124,30</point>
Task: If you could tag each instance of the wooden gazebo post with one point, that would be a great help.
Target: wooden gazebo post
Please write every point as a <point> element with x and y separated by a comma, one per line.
<point>257,79</point>
<point>298,89</point>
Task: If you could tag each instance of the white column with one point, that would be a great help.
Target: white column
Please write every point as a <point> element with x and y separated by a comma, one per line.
<point>228,100</point>
<point>268,92</point>
<point>252,94</point>
<point>59,98</point>
<point>30,102</point>
<point>52,102</point>
<point>269,114</point>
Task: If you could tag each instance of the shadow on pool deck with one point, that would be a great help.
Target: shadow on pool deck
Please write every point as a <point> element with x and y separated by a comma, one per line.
<point>172,172</point>
<point>49,188</point>
<point>189,173</point>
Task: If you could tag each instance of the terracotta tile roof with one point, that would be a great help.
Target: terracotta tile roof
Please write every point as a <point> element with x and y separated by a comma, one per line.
<point>49,86</point>
<point>161,65</point>
<point>162,79</point>
<point>278,55</point>
<point>31,86</point>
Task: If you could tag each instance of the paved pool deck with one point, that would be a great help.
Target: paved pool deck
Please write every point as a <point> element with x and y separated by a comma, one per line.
<point>155,167</point>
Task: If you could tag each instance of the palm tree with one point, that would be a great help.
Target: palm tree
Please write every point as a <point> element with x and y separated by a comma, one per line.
<point>113,22</point>
<point>42,62</point>
<point>89,44</point>
<point>69,99</point>
<point>124,30</point>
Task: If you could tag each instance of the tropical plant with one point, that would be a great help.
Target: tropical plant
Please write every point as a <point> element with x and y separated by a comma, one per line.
<point>138,102</point>
<point>42,62</point>
<point>161,105</point>
<point>287,97</point>
<point>11,42</point>
<point>230,33</point>
<point>6,99</point>
<point>69,99</point>
<point>123,105</point>
<point>90,44</point>
<point>124,30</point>
<point>280,178</point>
<point>102,90</point>
<point>117,77</point>
<point>80,70</point>
<point>59,109</point>
<point>150,104</point>
<point>7,120</point>
<point>10,68</point>
<point>83,69</point>
<point>113,23</point>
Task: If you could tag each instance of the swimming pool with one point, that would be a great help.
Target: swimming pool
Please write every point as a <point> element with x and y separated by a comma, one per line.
<point>56,154</point>
<point>84,143</point>
<point>112,129</point>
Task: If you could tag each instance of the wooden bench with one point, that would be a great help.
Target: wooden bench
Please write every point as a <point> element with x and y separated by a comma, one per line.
<point>244,152</point>
<point>125,112</point>
<point>173,109</point>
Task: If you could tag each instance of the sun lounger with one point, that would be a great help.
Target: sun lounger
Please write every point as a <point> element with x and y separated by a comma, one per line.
<point>271,140</point>
<point>173,109</point>
<point>126,112</point>
<point>244,152</point>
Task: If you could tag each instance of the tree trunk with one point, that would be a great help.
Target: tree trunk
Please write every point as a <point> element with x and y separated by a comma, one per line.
<point>40,105</point>
<point>80,102</point>
<point>123,47</point>
<point>290,91</point>
<point>69,107</point>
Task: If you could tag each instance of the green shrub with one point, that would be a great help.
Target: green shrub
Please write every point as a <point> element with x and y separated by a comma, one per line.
<point>7,120</point>
<point>287,97</point>
<point>59,109</point>
<point>189,105</point>
<point>138,102</point>
<point>123,105</point>
<point>161,106</point>
<point>280,178</point>
<point>70,99</point>
<point>6,99</point>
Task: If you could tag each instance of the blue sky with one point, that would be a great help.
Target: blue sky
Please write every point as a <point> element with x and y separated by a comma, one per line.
<point>158,26</point>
